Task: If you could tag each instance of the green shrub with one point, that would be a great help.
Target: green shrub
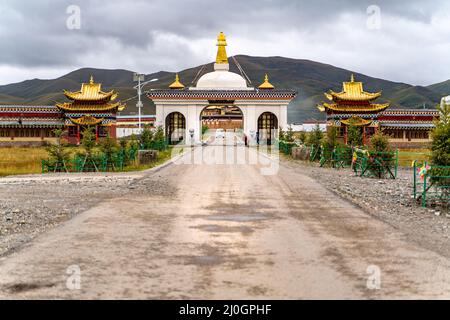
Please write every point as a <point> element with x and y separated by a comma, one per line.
<point>58,153</point>
<point>302,137</point>
<point>440,146</point>
<point>354,136</point>
<point>146,138</point>
<point>380,142</point>
<point>315,137</point>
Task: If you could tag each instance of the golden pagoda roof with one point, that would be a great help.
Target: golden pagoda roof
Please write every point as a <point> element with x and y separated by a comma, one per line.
<point>373,107</point>
<point>91,92</point>
<point>176,84</point>
<point>352,91</point>
<point>356,121</point>
<point>222,57</point>
<point>266,84</point>
<point>69,106</point>
<point>86,120</point>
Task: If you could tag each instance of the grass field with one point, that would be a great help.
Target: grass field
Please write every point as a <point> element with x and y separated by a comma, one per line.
<point>15,161</point>
<point>21,160</point>
<point>406,157</point>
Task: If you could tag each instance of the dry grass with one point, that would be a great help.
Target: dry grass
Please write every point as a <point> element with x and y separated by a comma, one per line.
<point>17,160</point>
<point>21,160</point>
<point>406,157</point>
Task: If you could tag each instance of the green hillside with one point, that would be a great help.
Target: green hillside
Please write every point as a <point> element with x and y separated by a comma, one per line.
<point>311,79</point>
<point>442,88</point>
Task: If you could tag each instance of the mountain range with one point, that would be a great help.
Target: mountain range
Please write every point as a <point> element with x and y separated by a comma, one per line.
<point>311,79</point>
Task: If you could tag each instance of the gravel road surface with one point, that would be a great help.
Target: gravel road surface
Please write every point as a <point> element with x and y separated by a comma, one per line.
<point>208,230</point>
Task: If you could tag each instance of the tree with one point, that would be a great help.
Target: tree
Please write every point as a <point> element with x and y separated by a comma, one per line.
<point>302,137</point>
<point>153,139</point>
<point>332,137</point>
<point>440,146</point>
<point>123,144</point>
<point>160,137</point>
<point>289,135</point>
<point>329,143</point>
<point>354,136</point>
<point>146,138</point>
<point>315,137</point>
<point>109,148</point>
<point>380,142</point>
<point>88,143</point>
<point>58,152</point>
<point>88,140</point>
<point>281,135</point>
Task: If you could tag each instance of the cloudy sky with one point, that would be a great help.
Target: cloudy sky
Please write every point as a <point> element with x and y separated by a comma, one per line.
<point>406,41</point>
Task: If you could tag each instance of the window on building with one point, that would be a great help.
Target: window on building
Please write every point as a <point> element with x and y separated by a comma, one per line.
<point>73,131</point>
<point>102,131</point>
<point>340,131</point>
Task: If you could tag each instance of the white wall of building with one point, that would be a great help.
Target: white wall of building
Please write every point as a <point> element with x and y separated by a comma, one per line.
<point>308,127</point>
<point>192,110</point>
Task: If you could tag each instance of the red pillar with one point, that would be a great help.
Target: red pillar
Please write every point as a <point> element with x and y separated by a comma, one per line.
<point>78,135</point>
<point>113,131</point>
<point>96,133</point>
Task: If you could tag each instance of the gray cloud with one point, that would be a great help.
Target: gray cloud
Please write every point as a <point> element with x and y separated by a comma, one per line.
<point>174,34</point>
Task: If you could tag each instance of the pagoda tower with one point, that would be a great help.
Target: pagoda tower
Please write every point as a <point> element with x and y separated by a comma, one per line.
<point>353,107</point>
<point>90,107</point>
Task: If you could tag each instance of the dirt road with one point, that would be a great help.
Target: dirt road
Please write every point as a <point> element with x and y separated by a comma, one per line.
<point>220,231</point>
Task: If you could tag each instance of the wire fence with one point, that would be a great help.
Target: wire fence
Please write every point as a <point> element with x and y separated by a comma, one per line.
<point>431,184</point>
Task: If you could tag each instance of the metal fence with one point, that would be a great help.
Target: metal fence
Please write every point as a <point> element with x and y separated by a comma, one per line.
<point>364,163</point>
<point>94,163</point>
<point>375,164</point>
<point>286,147</point>
<point>431,184</point>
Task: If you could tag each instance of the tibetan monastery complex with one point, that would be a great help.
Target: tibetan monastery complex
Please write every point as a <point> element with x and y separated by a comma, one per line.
<point>88,107</point>
<point>355,107</point>
<point>219,99</point>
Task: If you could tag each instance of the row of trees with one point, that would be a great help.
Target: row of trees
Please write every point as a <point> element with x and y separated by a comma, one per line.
<point>110,150</point>
<point>440,145</point>
<point>329,140</point>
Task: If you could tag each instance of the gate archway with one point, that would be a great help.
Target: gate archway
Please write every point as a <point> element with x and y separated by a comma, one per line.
<point>222,118</point>
<point>267,128</point>
<point>175,127</point>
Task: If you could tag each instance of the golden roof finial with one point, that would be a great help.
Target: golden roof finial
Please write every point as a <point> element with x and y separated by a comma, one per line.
<point>222,57</point>
<point>91,81</point>
<point>176,84</point>
<point>266,84</point>
<point>352,78</point>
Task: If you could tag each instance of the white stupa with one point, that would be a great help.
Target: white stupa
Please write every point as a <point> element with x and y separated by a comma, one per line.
<point>221,78</point>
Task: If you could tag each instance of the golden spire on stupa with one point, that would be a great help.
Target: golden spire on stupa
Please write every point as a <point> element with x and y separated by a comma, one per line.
<point>176,84</point>
<point>266,84</point>
<point>222,57</point>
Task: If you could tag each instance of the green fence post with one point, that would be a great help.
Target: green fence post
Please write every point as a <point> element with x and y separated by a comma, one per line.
<point>415,179</point>
<point>396,163</point>
<point>424,192</point>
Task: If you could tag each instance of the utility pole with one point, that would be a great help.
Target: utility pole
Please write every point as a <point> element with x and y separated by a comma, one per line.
<point>140,78</point>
